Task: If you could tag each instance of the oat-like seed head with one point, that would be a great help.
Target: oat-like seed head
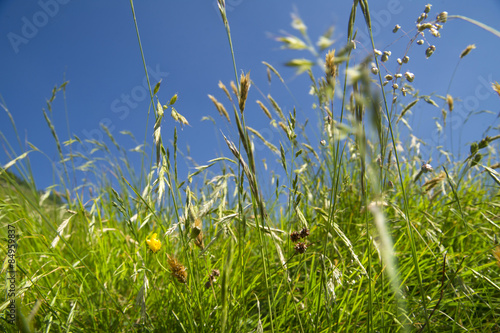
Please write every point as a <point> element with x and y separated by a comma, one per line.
<point>449,100</point>
<point>467,50</point>
<point>396,28</point>
<point>427,8</point>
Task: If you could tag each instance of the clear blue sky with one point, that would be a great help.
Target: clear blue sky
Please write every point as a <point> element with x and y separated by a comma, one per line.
<point>93,45</point>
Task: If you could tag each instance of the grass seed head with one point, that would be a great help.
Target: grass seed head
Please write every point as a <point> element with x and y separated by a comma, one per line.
<point>220,107</point>
<point>295,236</point>
<point>467,50</point>
<point>300,247</point>
<point>430,50</point>
<point>304,232</point>
<point>331,67</point>
<point>496,87</point>
<point>244,87</point>
<point>178,270</point>
<point>449,100</point>
<point>223,87</point>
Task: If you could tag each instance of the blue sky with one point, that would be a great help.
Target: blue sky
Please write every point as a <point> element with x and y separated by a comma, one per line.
<point>93,45</point>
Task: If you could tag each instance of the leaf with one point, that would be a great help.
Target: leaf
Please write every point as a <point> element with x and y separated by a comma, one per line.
<point>14,161</point>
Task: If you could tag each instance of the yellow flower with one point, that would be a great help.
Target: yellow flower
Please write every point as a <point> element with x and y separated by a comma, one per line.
<point>154,243</point>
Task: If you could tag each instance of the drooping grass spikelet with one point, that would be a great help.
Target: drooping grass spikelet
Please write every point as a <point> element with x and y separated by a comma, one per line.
<point>223,87</point>
<point>234,89</point>
<point>220,107</point>
<point>265,109</point>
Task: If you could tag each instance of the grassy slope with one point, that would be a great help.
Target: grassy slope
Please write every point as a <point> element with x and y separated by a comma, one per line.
<point>101,276</point>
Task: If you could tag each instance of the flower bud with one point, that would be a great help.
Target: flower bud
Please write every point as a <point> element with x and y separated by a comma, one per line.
<point>396,28</point>
<point>427,8</point>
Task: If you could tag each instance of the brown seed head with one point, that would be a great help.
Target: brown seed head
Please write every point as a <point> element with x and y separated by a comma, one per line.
<point>178,270</point>
<point>295,236</point>
<point>304,232</point>
<point>244,87</point>
<point>300,247</point>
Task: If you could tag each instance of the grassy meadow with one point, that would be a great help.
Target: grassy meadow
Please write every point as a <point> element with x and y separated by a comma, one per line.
<point>357,231</point>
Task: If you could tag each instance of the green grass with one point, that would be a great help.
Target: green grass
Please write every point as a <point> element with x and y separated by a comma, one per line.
<point>390,246</point>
